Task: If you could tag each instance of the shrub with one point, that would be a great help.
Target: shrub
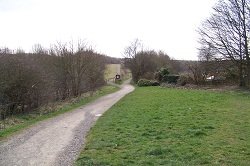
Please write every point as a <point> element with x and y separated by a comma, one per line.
<point>164,71</point>
<point>163,76</point>
<point>154,83</point>
<point>183,80</point>
<point>161,73</point>
<point>145,82</point>
<point>172,79</point>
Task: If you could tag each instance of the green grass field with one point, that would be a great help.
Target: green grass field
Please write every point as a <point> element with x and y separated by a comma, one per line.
<point>160,126</point>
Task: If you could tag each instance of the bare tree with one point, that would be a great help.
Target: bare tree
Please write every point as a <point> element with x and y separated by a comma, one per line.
<point>19,51</point>
<point>133,49</point>
<point>5,51</point>
<point>39,49</point>
<point>130,58</point>
<point>227,30</point>
<point>76,64</point>
<point>30,80</point>
<point>207,60</point>
<point>144,63</point>
<point>197,73</point>
<point>207,52</point>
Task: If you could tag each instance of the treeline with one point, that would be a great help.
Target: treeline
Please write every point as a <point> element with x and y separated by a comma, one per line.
<point>30,80</point>
<point>145,63</point>
<point>225,36</point>
<point>148,66</point>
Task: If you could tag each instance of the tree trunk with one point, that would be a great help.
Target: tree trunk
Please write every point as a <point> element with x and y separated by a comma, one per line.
<point>248,74</point>
<point>242,81</point>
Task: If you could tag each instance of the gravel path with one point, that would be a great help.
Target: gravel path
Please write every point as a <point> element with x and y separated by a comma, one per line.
<point>57,141</point>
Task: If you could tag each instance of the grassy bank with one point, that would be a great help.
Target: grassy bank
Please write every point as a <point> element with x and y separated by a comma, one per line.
<point>157,126</point>
<point>20,122</point>
<point>111,70</point>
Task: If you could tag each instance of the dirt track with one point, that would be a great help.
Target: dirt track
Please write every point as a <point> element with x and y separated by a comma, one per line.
<point>57,141</point>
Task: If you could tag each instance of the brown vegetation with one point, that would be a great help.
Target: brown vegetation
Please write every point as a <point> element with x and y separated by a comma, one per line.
<point>226,33</point>
<point>144,63</point>
<point>30,80</point>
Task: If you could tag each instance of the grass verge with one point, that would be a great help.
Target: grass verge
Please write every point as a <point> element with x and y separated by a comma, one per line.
<point>161,126</point>
<point>21,122</point>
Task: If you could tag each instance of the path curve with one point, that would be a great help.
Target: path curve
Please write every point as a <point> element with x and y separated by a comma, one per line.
<point>57,141</point>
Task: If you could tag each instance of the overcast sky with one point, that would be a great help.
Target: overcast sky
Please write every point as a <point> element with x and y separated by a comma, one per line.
<point>108,25</point>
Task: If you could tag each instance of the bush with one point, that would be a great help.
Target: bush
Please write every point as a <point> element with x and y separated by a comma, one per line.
<point>161,73</point>
<point>183,80</point>
<point>155,83</point>
<point>164,71</point>
<point>171,79</point>
<point>145,82</point>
